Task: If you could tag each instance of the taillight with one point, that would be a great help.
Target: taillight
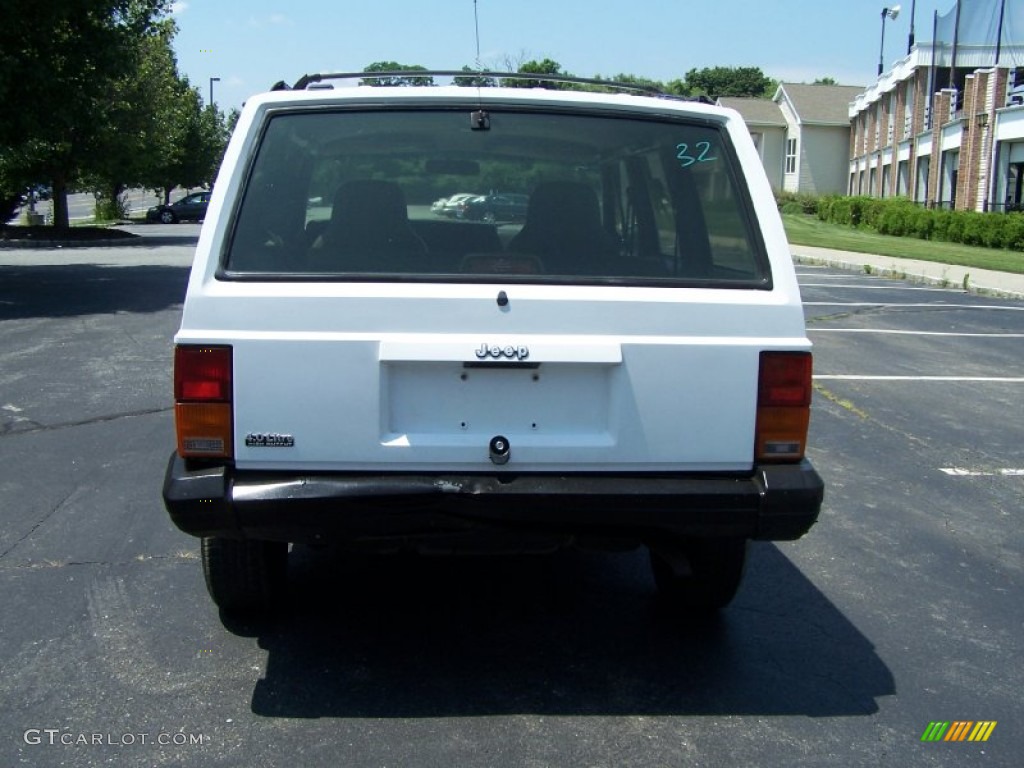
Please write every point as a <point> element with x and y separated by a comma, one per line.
<point>783,406</point>
<point>202,395</point>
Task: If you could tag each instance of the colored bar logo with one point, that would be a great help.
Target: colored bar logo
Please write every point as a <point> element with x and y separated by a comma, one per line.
<point>958,730</point>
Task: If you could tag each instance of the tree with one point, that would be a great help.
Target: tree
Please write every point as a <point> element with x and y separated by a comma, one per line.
<point>727,81</point>
<point>473,79</point>
<point>394,66</point>
<point>58,61</point>
<point>643,83</point>
<point>542,67</point>
<point>141,135</point>
<point>199,139</point>
<point>825,81</point>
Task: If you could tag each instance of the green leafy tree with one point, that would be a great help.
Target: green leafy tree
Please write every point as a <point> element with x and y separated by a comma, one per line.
<point>533,67</point>
<point>825,81</point>
<point>200,137</point>
<point>58,61</point>
<point>394,66</point>
<point>678,87</point>
<point>140,136</point>
<point>644,83</point>
<point>231,121</point>
<point>727,81</point>
<point>472,79</point>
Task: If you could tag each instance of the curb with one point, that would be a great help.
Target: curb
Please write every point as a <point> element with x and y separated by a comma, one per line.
<point>897,272</point>
<point>55,244</point>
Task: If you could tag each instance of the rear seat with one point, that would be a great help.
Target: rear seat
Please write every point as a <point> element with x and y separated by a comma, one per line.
<point>448,242</point>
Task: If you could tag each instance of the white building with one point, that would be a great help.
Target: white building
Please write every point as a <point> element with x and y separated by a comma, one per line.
<point>802,135</point>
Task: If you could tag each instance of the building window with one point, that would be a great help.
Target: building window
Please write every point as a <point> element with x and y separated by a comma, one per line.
<point>790,155</point>
<point>1015,187</point>
<point>758,142</point>
<point>921,188</point>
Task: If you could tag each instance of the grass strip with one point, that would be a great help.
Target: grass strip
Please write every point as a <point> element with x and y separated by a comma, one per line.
<point>809,230</point>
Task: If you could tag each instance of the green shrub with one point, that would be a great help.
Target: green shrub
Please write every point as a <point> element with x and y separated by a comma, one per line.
<point>974,225</point>
<point>787,202</point>
<point>1014,231</point>
<point>783,198</point>
<point>897,218</point>
<point>922,223</point>
<point>111,209</point>
<point>809,204</point>
<point>840,211</point>
<point>901,217</point>
<point>954,227</point>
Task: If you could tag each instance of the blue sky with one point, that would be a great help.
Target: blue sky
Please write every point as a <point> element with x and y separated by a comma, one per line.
<point>251,45</point>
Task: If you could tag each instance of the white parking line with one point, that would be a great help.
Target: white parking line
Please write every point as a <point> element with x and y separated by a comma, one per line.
<point>812,329</point>
<point>929,305</point>
<point>975,379</point>
<point>961,472</point>
<point>875,287</point>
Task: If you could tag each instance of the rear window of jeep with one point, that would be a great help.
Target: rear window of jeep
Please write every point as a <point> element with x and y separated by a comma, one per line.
<point>474,195</point>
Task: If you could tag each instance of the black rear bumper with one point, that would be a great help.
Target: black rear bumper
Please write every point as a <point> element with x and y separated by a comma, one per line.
<point>774,502</point>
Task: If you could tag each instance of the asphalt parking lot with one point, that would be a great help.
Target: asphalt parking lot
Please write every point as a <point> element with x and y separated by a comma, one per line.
<point>903,606</point>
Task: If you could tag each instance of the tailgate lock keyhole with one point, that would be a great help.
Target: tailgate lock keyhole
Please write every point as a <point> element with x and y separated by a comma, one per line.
<point>499,449</point>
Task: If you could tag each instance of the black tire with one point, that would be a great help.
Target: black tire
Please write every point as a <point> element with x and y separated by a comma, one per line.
<point>715,573</point>
<point>243,577</point>
<point>489,217</point>
<point>167,217</point>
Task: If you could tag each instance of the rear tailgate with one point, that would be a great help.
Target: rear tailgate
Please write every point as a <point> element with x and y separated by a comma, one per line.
<point>400,377</point>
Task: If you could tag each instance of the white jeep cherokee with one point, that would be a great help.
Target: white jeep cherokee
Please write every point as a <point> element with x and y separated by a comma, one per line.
<point>628,365</point>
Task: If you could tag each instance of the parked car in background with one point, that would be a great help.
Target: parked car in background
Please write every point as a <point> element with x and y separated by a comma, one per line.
<point>438,205</point>
<point>41,191</point>
<point>451,206</point>
<point>492,208</point>
<point>189,208</point>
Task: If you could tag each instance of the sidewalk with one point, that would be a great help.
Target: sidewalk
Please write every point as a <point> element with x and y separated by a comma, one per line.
<point>981,281</point>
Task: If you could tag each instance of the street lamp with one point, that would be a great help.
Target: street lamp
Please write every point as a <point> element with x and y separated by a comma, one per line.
<point>217,80</point>
<point>913,15</point>
<point>891,13</point>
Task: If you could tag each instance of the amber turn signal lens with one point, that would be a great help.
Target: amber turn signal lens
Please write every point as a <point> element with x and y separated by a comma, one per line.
<point>204,430</point>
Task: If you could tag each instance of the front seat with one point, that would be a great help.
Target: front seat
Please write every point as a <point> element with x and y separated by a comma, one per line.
<point>369,231</point>
<point>563,228</point>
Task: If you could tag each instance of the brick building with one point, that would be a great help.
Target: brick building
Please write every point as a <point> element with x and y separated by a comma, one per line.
<point>943,135</point>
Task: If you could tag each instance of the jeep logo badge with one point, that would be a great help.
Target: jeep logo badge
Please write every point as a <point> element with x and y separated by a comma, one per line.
<point>498,353</point>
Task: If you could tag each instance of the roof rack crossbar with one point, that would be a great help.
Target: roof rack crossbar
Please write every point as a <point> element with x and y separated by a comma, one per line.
<point>541,78</point>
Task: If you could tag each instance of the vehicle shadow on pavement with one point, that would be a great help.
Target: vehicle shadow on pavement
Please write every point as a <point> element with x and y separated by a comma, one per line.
<point>570,634</point>
<point>85,289</point>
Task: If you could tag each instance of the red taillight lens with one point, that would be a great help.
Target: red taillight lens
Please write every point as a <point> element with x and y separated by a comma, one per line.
<point>202,391</point>
<point>785,380</point>
<point>202,374</point>
<point>783,406</point>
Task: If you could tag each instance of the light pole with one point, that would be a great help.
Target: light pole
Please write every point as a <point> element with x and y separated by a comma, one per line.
<point>217,80</point>
<point>913,14</point>
<point>891,13</point>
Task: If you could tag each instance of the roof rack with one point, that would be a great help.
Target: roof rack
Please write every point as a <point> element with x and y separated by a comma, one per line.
<point>483,78</point>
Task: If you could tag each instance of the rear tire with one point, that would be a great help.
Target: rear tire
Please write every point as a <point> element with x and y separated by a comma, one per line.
<point>244,577</point>
<point>166,217</point>
<point>715,572</point>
